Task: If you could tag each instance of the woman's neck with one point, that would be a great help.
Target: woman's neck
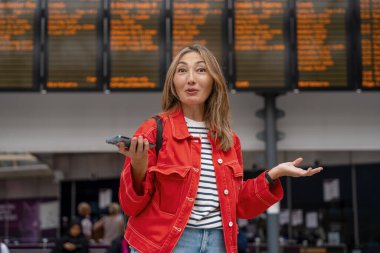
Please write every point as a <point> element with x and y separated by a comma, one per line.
<point>194,112</point>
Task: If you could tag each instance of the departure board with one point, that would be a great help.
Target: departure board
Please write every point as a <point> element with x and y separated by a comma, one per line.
<point>135,44</point>
<point>370,43</point>
<point>260,51</point>
<point>199,22</point>
<point>72,42</point>
<point>16,44</point>
<point>321,44</point>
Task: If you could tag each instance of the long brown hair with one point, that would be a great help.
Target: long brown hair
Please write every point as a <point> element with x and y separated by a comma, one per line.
<point>217,106</point>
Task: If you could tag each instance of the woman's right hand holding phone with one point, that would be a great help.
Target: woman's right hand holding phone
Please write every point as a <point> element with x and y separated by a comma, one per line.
<point>138,152</point>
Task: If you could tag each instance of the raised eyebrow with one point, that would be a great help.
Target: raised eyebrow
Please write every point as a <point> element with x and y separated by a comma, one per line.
<point>181,62</point>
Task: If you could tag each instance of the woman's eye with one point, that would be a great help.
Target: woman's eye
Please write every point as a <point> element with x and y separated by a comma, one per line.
<point>181,70</point>
<point>202,70</point>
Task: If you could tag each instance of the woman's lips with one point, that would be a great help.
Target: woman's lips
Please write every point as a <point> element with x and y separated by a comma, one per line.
<point>191,92</point>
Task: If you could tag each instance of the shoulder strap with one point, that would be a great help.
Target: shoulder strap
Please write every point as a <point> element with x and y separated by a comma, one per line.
<point>159,134</point>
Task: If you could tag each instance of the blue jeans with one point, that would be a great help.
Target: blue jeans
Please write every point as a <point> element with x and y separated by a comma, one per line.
<point>199,241</point>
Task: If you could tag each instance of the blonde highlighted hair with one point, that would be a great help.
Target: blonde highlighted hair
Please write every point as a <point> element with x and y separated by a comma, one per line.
<point>217,106</point>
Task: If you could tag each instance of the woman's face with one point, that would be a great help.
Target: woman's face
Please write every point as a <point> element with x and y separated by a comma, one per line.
<point>192,81</point>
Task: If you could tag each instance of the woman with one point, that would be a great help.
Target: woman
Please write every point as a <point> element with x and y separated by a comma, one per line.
<point>111,224</point>
<point>74,241</point>
<point>188,198</point>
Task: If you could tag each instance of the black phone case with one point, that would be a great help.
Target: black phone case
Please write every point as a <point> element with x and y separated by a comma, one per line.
<point>126,140</point>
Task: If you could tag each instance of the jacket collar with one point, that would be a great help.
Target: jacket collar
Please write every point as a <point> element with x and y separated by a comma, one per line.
<point>178,124</point>
<point>179,127</point>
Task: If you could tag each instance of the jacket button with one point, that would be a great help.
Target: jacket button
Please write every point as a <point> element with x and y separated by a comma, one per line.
<point>225,192</point>
<point>230,224</point>
<point>190,199</point>
<point>220,161</point>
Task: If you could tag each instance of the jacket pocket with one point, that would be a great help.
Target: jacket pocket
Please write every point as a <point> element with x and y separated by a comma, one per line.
<point>237,175</point>
<point>170,182</point>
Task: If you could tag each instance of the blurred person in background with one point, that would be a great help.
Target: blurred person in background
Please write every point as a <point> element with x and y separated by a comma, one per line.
<point>84,211</point>
<point>111,224</point>
<point>74,241</point>
<point>188,198</point>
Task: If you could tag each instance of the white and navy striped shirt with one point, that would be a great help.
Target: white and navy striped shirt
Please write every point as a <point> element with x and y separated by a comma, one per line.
<point>206,211</point>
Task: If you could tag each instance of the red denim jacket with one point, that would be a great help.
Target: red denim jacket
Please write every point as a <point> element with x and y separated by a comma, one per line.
<point>159,214</point>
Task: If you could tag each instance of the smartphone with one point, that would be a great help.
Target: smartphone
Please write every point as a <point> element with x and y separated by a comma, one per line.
<point>120,138</point>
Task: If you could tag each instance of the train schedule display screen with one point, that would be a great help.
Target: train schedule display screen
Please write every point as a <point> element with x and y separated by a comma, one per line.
<point>370,43</point>
<point>72,44</point>
<point>135,44</point>
<point>199,22</point>
<point>260,51</point>
<point>16,44</point>
<point>321,44</point>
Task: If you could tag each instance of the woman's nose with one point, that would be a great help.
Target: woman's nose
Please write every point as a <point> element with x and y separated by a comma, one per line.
<point>190,79</point>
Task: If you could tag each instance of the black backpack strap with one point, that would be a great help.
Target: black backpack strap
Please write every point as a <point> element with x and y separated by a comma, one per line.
<point>159,134</point>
